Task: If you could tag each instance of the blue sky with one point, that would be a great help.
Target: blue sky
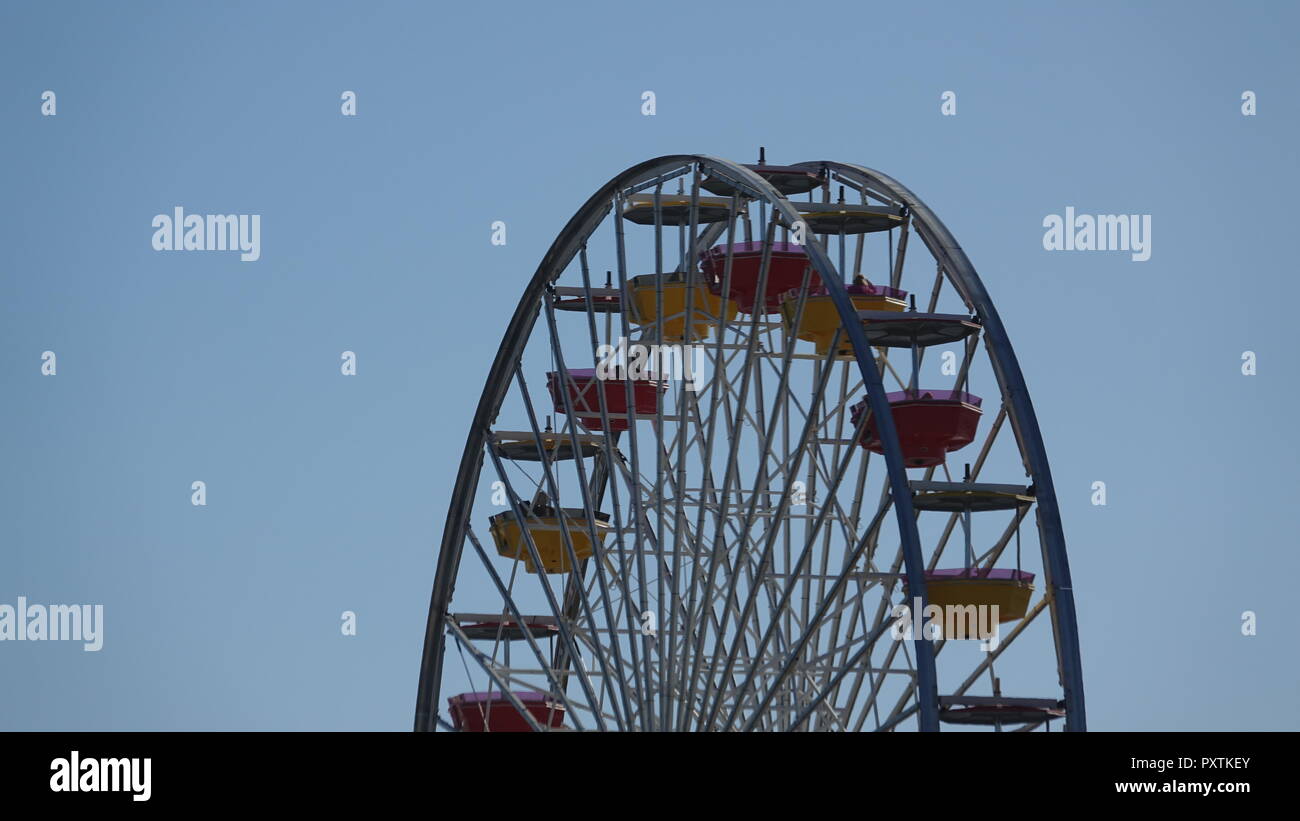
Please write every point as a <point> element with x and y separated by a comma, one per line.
<point>328,493</point>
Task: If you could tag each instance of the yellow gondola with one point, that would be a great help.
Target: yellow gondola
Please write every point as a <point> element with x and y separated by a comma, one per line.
<point>544,526</point>
<point>820,319</point>
<point>707,308</point>
<point>1008,590</point>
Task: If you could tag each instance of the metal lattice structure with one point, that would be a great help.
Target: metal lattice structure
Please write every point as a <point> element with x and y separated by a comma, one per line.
<point>728,550</point>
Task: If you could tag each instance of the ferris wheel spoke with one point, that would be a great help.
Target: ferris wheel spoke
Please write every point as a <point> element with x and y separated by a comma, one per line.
<point>729,476</point>
<point>857,621</point>
<point>568,643</point>
<point>575,600</point>
<point>860,665</point>
<point>900,711</point>
<point>822,693</point>
<point>963,374</point>
<point>680,604</point>
<point>954,518</point>
<point>576,597</point>
<point>779,414</point>
<point>769,541</point>
<point>514,612</point>
<point>502,683</point>
<point>826,603</point>
<point>899,716</point>
<point>896,270</point>
<point>638,512</point>
<point>882,359</point>
<point>610,458</point>
<point>1043,603</point>
<point>1012,530</point>
<point>688,268</point>
<point>869,706</point>
<point>849,525</point>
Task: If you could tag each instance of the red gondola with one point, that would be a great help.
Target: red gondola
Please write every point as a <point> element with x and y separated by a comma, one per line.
<point>930,424</point>
<point>784,178</point>
<point>493,712</point>
<point>995,711</point>
<point>583,396</point>
<point>785,271</point>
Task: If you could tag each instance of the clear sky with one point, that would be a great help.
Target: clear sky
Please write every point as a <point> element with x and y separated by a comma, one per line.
<point>327,493</point>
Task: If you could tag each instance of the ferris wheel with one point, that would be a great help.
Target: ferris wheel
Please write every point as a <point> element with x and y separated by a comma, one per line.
<point>728,472</point>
